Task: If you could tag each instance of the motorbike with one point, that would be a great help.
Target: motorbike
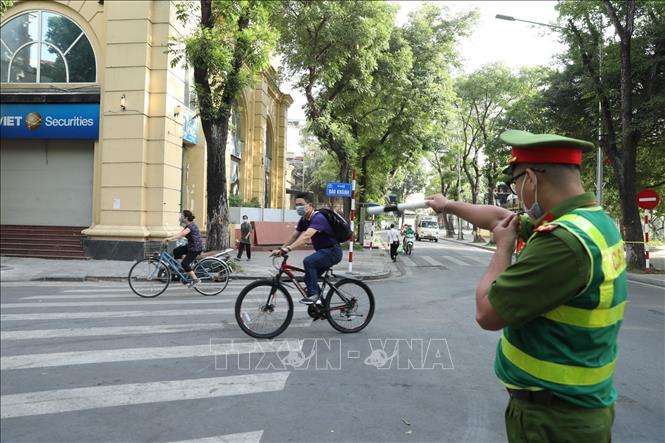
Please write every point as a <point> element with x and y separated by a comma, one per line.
<point>409,240</point>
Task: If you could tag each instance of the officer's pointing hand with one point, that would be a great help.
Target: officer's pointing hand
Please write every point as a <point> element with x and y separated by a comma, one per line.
<point>437,202</point>
<point>505,233</point>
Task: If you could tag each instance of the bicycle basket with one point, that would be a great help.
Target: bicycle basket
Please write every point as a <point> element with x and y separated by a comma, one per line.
<point>152,248</point>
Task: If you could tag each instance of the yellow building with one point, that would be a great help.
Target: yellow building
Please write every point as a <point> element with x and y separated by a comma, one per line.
<point>98,132</point>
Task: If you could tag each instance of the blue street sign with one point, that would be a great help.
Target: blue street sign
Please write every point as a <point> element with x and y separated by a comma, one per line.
<point>49,121</point>
<point>335,189</point>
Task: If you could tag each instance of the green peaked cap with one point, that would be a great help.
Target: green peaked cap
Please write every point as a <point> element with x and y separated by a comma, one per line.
<point>523,139</point>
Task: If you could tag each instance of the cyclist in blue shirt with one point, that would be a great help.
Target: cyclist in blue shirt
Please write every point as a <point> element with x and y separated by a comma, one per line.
<point>313,226</point>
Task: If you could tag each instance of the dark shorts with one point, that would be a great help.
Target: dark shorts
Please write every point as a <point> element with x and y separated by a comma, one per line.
<point>190,256</point>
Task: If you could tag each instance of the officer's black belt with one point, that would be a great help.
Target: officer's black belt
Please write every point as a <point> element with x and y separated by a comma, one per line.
<point>543,397</point>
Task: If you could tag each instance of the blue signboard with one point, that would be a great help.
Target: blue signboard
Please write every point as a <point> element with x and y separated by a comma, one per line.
<point>191,127</point>
<point>335,189</point>
<point>49,121</point>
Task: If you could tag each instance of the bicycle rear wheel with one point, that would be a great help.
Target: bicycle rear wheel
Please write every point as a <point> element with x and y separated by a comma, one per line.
<point>149,277</point>
<point>213,275</point>
<point>353,312</point>
<point>264,311</point>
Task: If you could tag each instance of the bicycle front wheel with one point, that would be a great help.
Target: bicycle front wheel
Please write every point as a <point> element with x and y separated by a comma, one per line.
<point>349,305</point>
<point>213,275</point>
<point>149,277</point>
<point>264,310</point>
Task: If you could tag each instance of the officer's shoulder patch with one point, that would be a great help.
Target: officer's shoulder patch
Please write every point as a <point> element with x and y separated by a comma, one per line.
<point>546,228</point>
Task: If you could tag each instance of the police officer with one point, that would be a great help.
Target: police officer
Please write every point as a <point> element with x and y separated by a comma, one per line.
<point>561,303</point>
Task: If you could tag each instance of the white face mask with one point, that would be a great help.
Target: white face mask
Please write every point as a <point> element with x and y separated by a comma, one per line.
<point>535,211</point>
<point>181,220</point>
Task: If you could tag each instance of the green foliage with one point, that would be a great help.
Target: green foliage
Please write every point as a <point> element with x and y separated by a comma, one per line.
<point>233,48</point>
<point>331,50</point>
<point>228,47</point>
<point>5,5</point>
<point>236,202</point>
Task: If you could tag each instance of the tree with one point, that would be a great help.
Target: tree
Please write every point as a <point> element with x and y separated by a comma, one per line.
<point>411,92</point>
<point>634,113</point>
<point>331,49</point>
<point>229,46</point>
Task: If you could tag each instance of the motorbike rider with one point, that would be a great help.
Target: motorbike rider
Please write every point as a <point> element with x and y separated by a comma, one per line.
<point>407,233</point>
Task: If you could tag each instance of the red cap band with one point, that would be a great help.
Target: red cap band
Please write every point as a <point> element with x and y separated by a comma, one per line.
<point>571,156</point>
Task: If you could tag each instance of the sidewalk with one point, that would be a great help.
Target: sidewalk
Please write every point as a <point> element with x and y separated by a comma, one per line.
<point>367,265</point>
<point>651,279</point>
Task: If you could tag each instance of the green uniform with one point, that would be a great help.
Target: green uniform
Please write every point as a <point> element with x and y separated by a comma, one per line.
<point>563,303</point>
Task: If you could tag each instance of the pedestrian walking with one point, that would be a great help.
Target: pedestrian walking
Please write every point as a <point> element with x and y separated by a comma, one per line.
<point>393,240</point>
<point>245,239</point>
<point>561,303</point>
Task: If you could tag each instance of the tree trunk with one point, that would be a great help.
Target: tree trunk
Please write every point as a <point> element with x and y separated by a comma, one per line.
<point>217,204</point>
<point>629,139</point>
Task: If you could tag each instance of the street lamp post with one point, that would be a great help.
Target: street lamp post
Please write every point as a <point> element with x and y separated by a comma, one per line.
<point>599,157</point>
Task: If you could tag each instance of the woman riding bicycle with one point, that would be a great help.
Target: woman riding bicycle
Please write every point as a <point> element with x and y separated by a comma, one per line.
<point>193,247</point>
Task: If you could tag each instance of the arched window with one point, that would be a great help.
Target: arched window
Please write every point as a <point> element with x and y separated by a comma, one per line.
<point>268,165</point>
<point>45,47</point>
<point>235,144</point>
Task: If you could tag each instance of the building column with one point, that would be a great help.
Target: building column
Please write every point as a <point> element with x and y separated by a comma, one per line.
<point>140,144</point>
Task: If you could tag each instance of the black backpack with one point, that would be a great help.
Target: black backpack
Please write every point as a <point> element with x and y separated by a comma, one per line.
<point>338,224</point>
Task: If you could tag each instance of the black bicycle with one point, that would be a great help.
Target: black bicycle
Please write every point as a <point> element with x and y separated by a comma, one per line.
<point>264,308</point>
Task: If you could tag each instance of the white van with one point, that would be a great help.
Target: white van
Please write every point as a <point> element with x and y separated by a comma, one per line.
<point>427,227</point>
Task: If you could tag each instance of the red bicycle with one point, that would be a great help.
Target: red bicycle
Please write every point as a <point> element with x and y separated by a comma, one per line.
<point>264,308</point>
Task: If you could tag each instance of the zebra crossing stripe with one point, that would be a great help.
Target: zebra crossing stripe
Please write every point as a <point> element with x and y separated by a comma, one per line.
<point>121,314</point>
<point>431,261</point>
<point>245,437</point>
<point>407,261</point>
<point>454,260</point>
<point>129,291</point>
<point>112,331</point>
<point>79,399</point>
<point>26,361</point>
<point>153,302</point>
<point>127,297</point>
<point>106,331</point>
<point>477,260</point>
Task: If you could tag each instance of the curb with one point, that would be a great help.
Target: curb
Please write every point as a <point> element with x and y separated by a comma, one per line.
<point>646,280</point>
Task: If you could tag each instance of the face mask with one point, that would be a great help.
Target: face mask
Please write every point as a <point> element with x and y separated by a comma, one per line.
<point>300,210</point>
<point>181,220</point>
<point>535,211</point>
<point>244,220</point>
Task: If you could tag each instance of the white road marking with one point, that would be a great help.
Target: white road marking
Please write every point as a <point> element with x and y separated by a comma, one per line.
<point>130,296</point>
<point>483,261</point>
<point>454,260</point>
<point>12,362</point>
<point>153,302</point>
<point>431,261</point>
<point>112,331</point>
<point>128,290</point>
<point>106,331</point>
<point>407,261</point>
<point>245,437</point>
<point>79,399</point>
<point>121,314</point>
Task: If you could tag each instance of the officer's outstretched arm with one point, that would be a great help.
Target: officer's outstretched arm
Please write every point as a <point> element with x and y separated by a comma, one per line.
<point>483,216</point>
